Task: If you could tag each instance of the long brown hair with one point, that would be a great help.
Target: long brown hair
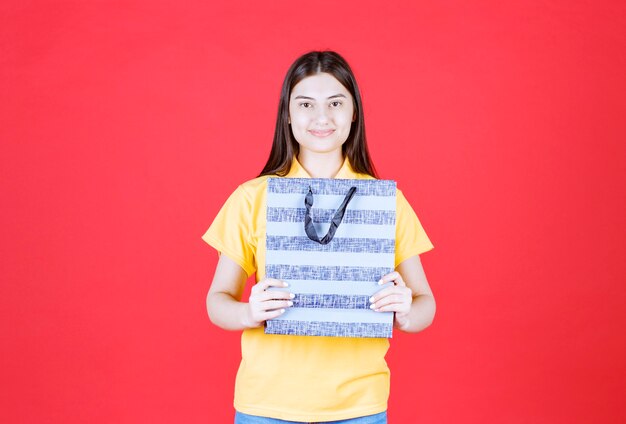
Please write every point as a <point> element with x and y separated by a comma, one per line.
<point>285,146</point>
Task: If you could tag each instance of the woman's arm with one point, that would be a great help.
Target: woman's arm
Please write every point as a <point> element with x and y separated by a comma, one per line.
<point>410,297</point>
<point>224,304</point>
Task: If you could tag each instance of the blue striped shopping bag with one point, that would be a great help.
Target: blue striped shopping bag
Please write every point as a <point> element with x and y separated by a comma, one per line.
<point>331,240</point>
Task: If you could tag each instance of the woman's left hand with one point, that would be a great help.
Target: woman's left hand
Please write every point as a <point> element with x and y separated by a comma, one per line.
<point>397,298</point>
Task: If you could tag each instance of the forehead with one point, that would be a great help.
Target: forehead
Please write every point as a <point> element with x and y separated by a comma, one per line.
<point>320,85</point>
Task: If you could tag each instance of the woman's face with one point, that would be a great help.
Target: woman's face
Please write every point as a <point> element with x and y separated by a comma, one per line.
<point>321,111</point>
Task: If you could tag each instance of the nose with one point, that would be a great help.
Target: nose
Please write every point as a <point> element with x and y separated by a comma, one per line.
<point>322,117</point>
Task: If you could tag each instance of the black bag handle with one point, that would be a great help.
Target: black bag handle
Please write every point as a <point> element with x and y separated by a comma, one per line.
<point>334,224</point>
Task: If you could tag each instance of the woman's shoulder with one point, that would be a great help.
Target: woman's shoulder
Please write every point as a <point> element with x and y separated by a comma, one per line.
<point>257,185</point>
<point>248,194</point>
<point>254,186</point>
<point>359,176</point>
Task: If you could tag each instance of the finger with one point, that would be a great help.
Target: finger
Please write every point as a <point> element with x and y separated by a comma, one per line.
<point>266,283</point>
<point>394,307</point>
<point>392,277</point>
<point>387,278</point>
<point>264,316</point>
<point>399,281</point>
<point>388,300</point>
<point>273,295</point>
<point>272,305</point>
<point>390,291</point>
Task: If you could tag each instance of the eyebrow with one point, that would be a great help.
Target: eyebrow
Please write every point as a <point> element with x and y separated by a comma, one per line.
<point>311,98</point>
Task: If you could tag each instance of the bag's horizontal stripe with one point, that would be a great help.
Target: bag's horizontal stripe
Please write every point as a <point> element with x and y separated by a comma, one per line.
<point>327,201</point>
<point>329,329</point>
<point>338,273</point>
<point>336,315</point>
<point>296,229</point>
<point>371,217</point>
<point>345,259</point>
<point>331,186</point>
<point>346,244</point>
<point>334,301</point>
<point>367,288</point>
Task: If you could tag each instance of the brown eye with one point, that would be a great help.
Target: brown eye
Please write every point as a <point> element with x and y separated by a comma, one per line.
<point>335,104</point>
<point>305,105</point>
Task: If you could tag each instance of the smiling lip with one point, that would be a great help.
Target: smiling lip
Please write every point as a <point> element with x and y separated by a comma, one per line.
<point>319,133</point>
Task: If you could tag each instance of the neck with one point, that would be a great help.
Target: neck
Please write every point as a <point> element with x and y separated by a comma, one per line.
<point>321,165</point>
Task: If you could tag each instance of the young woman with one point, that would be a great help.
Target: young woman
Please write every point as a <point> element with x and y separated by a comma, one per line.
<point>320,133</point>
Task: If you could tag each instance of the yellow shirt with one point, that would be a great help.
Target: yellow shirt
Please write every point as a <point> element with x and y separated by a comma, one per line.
<point>305,378</point>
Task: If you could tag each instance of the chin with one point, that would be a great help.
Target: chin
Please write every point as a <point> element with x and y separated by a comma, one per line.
<point>320,150</point>
<point>321,146</point>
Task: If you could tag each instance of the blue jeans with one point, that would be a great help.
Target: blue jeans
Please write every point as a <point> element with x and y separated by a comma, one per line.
<point>253,419</point>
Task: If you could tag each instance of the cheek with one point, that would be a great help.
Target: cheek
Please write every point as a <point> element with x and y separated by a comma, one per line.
<point>345,119</point>
<point>293,115</point>
<point>299,121</point>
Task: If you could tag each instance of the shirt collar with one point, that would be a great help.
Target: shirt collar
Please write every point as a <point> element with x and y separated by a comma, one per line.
<point>297,171</point>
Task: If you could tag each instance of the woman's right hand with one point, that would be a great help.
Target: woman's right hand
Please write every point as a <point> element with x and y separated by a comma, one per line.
<point>265,304</point>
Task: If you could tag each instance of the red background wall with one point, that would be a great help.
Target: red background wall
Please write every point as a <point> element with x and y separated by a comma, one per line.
<point>125,125</point>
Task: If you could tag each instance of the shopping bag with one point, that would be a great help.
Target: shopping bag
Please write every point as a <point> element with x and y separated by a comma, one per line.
<point>331,240</point>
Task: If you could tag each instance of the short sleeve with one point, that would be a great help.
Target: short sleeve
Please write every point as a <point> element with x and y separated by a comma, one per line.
<point>411,239</point>
<point>230,231</point>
